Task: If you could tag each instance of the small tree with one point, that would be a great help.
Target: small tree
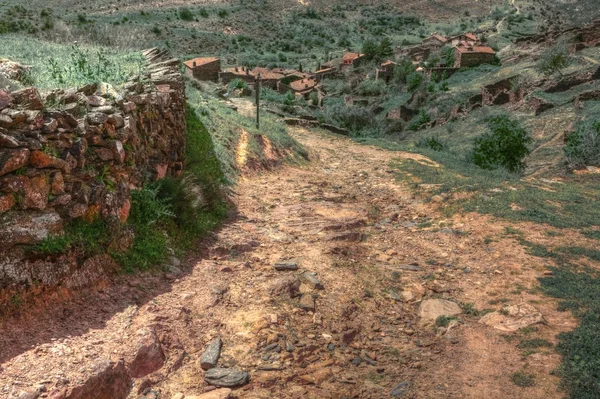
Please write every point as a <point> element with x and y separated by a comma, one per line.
<point>403,68</point>
<point>369,49</point>
<point>555,58</point>
<point>583,146</point>
<point>185,14</point>
<point>414,80</point>
<point>384,50</point>
<point>505,145</point>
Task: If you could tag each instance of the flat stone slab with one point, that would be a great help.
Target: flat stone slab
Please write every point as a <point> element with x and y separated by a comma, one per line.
<point>431,309</point>
<point>284,266</point>
<point>312,280</point>
<point>228,378</point>
<point>211,354</point>
<point>513,318</point>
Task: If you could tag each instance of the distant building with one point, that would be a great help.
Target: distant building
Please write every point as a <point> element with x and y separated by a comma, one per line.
<point>351,60</point>
<point>268,78</point>
<point>386,71</point>
<point>204,68</point>
<point>323,73</point>
<point>466,39</point>
<point>434,42</point>
<point>301,87</point>
<point>238,72</point>
<point>468,56</point>
<point>334,63</point>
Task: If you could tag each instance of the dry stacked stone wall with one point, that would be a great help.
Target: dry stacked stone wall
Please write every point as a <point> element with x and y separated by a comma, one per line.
<point>77,154</point>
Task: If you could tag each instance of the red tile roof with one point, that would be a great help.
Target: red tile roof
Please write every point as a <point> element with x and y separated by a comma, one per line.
<point>475,49</point>
<point>304,84</point>
<point>266,74</point>
<point>438,37</point>
<point>351,56</point>
<point>200,61</point>
<point>471,36</point>
<point>388,62</point>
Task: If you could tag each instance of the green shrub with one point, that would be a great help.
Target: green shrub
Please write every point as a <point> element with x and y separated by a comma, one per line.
<point>583,146</point>
<point>523,379</point>
<point>237,84</point>
<point>414,80</point>
<point>504,146</point>
<point>403,69</point>
<point>185,14</point>
<point>223,13</point>
<point>203,13</point>
<point>371,87</point>
<point>555,58</point>
<point>431,142</point>
<point>419,121</point>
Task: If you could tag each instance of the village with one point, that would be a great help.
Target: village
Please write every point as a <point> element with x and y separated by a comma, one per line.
<point>468,51</point>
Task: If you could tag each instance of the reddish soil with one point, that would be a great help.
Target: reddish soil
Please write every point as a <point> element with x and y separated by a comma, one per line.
<point>345,217</point>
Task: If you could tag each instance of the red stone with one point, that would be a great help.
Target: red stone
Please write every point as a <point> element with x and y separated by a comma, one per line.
<point>7,202</point>
<point>124,211</point>
<point>161,171</point>
<point>11,160</point>
<point>149,355</point>
<point>36,193</point>
<point>29,97</point>
<point>42,160</point>
<point>109,380</point>
<point>5,99</point>
<point>58,184</point>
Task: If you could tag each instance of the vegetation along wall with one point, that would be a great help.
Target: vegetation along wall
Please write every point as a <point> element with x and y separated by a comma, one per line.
<point>74,156</point>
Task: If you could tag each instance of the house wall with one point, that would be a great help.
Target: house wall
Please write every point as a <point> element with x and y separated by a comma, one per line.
<point>207,72</point>
<point>463,60</point>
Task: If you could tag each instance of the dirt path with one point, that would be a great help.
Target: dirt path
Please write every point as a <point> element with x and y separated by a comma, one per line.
<point>377,252</point>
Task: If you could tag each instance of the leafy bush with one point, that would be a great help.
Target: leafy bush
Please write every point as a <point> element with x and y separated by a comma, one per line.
<point>419,121</point>
<point>414,80</point>
<point>504,146</point>
<point>583,146</point>
<point>403,69</point>
<point>185,14</point>
<point>353,118</point>
<point>371,88</point>
<point>238,84</point>
<point>431,142</point>
<point>555,58</point>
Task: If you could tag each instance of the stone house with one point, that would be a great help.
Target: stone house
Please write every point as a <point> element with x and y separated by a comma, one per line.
<point>238,72</point>
<point>300,87</point>
<point>386,70</point>
<point>468,56</point>
<point>466,39</point>
<point>204,68</point>
<point>323,73</point>
<point>351,60</point>
<point>268,78</point>
<point>333,63</point>
<point>434,42</point>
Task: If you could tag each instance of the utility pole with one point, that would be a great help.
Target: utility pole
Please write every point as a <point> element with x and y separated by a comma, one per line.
<point>257,89</point>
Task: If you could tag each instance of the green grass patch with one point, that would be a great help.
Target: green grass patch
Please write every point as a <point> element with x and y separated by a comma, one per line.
<point>578,291</point>
<point>572,203</point>
<point>523,379</point>
<point>58,65</point>
<point>444,321</point>
<point>534,343</point>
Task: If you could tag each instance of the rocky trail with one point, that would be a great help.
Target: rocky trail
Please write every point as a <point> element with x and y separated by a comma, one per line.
<point>327,284</point>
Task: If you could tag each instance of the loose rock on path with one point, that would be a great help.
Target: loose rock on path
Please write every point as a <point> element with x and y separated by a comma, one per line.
<point>340,320</point>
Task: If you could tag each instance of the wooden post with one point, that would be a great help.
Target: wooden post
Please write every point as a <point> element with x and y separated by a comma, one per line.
<point>257,90</point>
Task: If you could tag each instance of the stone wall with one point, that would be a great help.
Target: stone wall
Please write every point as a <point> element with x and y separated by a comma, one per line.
<point>76,154</point>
